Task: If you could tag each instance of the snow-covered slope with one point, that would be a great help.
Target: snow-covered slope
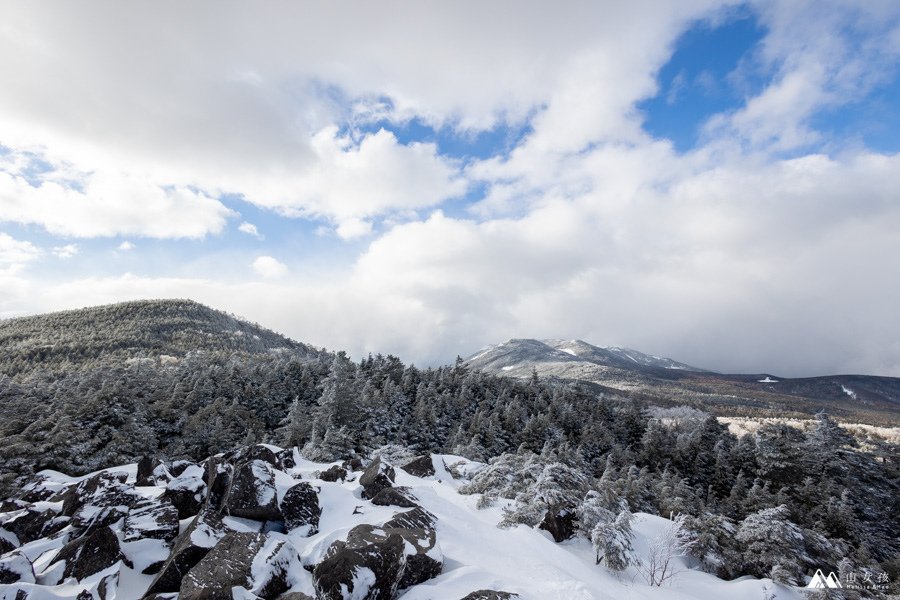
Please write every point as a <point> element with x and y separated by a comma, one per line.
<point>471,551</point>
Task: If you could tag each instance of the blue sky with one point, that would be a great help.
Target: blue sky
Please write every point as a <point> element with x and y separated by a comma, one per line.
<point>716,182</point>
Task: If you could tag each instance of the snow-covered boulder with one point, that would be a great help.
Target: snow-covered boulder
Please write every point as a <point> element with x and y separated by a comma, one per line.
<point>88,554</point>
<point>489,595</point>
<point>260,564</point>
<point>252,494</point>
<point>151,518</point>
<point>98,501</point>
<point>285,459</point>
<point>28,524</point>
<point>559,522</point>
<point>151,471</point>
<point>391,496</point>
<point>187,491</point>
<point>15,567</point>
<point>251,453</point>
<point>368,566</point>
<point>333,473</point>
<point>377,476</point>
<point>420,467</point>
<point>190,547</point>
<point>300,507</point>
<point>218,479</point>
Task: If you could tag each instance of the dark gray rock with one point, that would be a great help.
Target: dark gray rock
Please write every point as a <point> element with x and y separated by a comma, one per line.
<point>300,506</point>
<point>218,479</point>
<point>89,554</point>
<point>377,476</point>
<point>394,497</point>
<point>39,489</point>
<point>285,459</point>
<point>560,523</point>
<point>190,547</point>
<point>187,491</point>
<point>177,467</point>
<point>417,518</point>
<point>151,471</point>
<point>489,595</point>
<point>101,490</point>
<point>252,493</point>
<point>29,524</point>
<point>366,548</point>
<point>294,596</point>
<point>249,560</point>
<point>353,464</point>
<point>87,520</point>
<point>6,545</point>
<point>251,453</point>
<point>333,473</point>
<point>16,568</point>
<point>149,518</point>
<point>420,467</point>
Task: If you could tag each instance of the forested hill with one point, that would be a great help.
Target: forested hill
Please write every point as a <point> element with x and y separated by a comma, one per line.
<point>145,329</point>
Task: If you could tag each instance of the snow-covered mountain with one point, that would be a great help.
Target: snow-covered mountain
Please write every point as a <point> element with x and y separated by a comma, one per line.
<point>664,381</point>
<point>516,353</point>
<point>265,523</point>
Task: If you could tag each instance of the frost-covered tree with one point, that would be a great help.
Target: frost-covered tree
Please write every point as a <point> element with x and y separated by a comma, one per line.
<point>660,564</point>
<point>611,540</point>
<point>773,545</point>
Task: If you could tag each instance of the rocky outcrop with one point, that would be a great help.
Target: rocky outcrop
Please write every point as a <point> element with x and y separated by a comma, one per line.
<point>252,492</point>
<point>300,507</point>
<point>375,562</point>
<point>154,519</point>
<point>489,595</point>
<point>559,522</point>
<point>16,568</point>
<point>333,473</point>
<point>189,549</point>
<point>420,467</point>
<point>89,554</point>
<point>394,497</point>
<point>377,476</point>
<point>187,491</point>
<point>253,561</point>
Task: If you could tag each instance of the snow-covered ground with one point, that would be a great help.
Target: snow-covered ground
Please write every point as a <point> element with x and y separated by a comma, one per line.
<point>477,554</point>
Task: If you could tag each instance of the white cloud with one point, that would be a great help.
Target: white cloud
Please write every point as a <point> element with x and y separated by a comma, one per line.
<point>125,246</point>
<point>15,254</point>
<point>67,251</point>
<point>353,228</point>
<point>249,229</point>
<point>269,267</point>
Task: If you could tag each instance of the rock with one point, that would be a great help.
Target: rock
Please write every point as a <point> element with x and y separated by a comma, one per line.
<point>151,471</point>
<point>420,467</point>
<point>342,573</point>
<point>190,547</point>
<point>417,518</point>
<point>178,467</point>
<point>374,548</point>
<point>377,476</point>
<point>294,596</point>
<point>489,595</point>
<point>333,473</point>
<point>285,459</point>
<point>89,554</point>
<point>149,518</point>
<point>251,453</point>
<point>300,507</point>
<point>253,561</point>
<point>29,524</point>
<point>41,488</point>
<point>560,522</point>
<point>16,568</point>
<point>353,464</point>
<point>6,545</point>
<point>218,479</point>
<point>87,520</point>
<point>394,497</point>
<point>103,490</point>
<point>187,491</point>
<point>252,492</point>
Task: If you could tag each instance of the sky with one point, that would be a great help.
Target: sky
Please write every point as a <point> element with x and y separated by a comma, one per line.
<point>718,182</point>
